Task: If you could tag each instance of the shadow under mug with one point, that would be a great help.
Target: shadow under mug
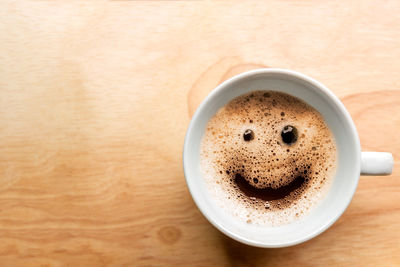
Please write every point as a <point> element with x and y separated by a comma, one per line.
<point>351,162</point>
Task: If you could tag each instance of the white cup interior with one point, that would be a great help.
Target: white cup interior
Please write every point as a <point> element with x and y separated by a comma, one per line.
<point>344,183</point>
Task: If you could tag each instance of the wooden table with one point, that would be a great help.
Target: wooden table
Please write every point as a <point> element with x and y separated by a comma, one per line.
<point>95,99</point>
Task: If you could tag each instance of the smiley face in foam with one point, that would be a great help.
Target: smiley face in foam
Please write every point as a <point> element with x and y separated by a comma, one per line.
<point>268,157</point>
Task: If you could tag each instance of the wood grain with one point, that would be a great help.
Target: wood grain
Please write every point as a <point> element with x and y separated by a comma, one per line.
<point>95,99</point>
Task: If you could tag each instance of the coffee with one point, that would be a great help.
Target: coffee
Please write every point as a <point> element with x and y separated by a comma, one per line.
<point>268,157</point>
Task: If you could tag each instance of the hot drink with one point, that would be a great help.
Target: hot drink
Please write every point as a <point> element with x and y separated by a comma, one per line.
<point>268,157</point>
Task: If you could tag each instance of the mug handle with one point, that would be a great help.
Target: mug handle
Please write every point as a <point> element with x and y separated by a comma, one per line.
<point>376,163</point>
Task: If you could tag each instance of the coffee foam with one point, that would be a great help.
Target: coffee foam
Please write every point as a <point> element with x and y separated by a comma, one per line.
<point>301,172</point>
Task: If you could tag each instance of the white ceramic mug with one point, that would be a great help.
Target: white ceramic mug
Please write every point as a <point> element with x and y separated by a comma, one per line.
<point>351,161</point>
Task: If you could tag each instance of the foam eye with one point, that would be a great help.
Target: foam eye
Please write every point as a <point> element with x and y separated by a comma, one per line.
<point>289,134</point>
<point>248,135</point>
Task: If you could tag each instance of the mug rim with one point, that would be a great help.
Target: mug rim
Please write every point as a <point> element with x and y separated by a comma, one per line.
<point>343,113</point>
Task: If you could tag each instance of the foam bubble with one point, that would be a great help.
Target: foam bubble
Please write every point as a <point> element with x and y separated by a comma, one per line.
<point>256,176</point>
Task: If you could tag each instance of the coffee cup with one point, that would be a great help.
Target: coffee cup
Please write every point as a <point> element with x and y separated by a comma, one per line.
<point>351,162</point>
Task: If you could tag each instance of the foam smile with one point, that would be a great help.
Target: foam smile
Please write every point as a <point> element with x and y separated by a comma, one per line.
<point>267,193</point>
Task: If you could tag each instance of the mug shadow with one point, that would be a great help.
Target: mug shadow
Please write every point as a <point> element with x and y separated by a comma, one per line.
<point>238,254</point>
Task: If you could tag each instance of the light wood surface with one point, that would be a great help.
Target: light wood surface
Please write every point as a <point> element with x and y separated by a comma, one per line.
<point>95,99</point>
